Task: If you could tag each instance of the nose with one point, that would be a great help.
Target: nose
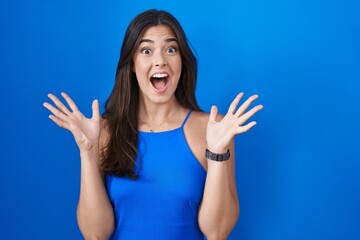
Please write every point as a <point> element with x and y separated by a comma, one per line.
<point>160,60</point>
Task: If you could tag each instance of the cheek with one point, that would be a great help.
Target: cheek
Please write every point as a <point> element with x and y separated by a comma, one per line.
<point>176,64</point>
<point>140,68</point>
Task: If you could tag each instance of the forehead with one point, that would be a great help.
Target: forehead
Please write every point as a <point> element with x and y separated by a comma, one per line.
<point>158,32</point>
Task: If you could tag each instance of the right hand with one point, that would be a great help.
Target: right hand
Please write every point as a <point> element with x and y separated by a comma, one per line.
<point>86,131</point>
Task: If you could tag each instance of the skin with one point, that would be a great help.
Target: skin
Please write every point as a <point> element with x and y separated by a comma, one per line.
<point>219,209</point>
<point>157,53</point>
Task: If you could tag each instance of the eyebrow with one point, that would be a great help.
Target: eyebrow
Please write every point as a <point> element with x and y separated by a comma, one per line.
<point>151,41</point>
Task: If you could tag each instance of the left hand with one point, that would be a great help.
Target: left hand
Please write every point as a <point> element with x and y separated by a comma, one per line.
<point>220,134</point>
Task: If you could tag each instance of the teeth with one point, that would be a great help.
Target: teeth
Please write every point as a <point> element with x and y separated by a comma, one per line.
<point>160,75</point>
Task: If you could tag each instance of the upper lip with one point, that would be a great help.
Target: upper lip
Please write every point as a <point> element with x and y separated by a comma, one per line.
<point>160,74</point>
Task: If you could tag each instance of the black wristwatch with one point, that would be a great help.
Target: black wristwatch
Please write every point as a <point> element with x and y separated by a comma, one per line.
<point>217,157</point>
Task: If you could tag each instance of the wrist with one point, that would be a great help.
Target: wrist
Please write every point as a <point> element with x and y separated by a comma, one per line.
<point>89,153</point>
<point>218,157</point>
<point>217,149</point>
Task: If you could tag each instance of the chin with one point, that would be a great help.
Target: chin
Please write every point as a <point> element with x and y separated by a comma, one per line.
<point>159,99</point>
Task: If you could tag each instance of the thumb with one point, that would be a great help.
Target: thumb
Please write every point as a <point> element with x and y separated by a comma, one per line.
<point>95,110</point>
<point>213,113</point>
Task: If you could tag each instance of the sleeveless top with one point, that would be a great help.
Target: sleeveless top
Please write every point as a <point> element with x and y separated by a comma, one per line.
<point>162,204</point>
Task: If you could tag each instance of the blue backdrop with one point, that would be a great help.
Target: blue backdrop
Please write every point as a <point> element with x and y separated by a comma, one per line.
<point>298,170</point>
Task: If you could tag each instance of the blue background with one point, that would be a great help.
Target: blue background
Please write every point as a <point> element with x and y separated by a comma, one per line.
<point>298,170</point>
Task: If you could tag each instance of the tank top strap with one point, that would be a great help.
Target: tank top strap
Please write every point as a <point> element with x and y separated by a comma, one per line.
<point>186,118</point>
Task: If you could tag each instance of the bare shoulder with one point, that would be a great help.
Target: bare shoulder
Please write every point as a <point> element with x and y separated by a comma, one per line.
<point>195,131</point>
<point>203,117</point>
<point>198,119</point>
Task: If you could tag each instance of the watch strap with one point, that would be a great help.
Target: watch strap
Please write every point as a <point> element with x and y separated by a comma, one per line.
<point>217,157</point>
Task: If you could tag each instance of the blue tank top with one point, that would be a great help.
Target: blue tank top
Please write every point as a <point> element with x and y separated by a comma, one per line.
<point>162,204</point>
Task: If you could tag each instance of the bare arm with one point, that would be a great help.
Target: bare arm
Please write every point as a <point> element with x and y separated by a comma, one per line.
<point>94,213</point>
<point>220,208</point>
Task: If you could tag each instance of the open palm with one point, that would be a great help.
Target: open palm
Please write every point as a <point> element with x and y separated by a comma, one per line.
<point>220,134</point>
<point>86,131</point>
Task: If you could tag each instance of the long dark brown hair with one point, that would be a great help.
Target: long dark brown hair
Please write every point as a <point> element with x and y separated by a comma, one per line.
<point>122,106</point>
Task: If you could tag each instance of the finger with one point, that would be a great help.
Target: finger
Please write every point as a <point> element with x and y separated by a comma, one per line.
<point>245,105</point>
<point>247,127</point>
<point>235,102</point>
<point>59,122</point>
<point>213,113</point>
<point>59,114</point>
<point>70,102</point>
<point>59,104</point>
<point>95,110</point>
<point>250,113</point>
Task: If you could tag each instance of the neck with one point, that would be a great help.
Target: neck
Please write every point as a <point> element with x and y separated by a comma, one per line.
<point>151,113</point>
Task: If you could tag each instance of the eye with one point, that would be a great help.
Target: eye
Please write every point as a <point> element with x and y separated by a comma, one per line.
<point>145,51</point>
<point>171,50</point>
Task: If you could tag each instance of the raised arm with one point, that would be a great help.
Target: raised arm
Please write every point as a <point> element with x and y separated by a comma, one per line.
<point>95,214</point>
<point>220,208</point>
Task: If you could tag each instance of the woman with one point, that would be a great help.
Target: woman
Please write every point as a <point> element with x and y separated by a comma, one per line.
<point>155,166</point>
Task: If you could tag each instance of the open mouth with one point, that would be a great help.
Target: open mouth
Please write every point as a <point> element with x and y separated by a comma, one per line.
<point>160,81</point>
